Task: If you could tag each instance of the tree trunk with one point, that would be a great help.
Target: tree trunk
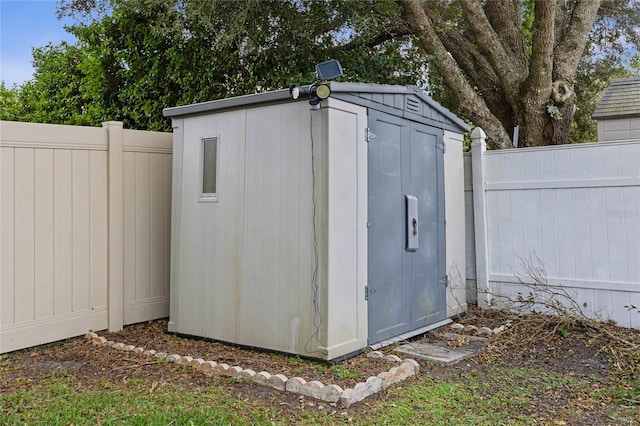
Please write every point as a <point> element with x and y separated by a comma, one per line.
<point>471,104</point>
<point>485,64</point>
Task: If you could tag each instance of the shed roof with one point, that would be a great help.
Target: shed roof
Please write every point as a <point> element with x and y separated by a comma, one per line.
<point>620,100</point>
<point>407,101</point>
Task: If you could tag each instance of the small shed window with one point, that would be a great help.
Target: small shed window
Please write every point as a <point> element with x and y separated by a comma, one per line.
<point>209,169</point>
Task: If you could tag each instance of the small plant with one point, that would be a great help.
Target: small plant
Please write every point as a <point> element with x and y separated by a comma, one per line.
<point>345,373</point>
<point>554,112</point>
<point>298,370</point>
<point>295,361</point>
<point>321,368</point>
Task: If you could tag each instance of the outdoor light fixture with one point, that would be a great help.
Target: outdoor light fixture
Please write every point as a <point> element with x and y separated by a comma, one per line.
<point>319,90</point>
<point>329,70</point>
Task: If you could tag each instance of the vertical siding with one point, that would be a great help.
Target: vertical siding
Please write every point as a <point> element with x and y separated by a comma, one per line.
<point>470,242</point>
<point>7,242</point>
<point>147,206</point>
<point>54,226</point>
<point>573,211</point>
<point>63,232</point>
<point>44,251</point>
<point>24,288</point>
<point>277,242</point>
<point>456,232</point>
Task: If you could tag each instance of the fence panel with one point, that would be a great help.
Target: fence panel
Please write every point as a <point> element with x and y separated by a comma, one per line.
<point>573,213</point>
<point>59,256</point>
<point>147,223</point>
<point>470,241</point>
<point>53,226</point>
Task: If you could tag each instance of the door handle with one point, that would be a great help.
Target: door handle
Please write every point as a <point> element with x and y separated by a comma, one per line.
<point>412,222</point>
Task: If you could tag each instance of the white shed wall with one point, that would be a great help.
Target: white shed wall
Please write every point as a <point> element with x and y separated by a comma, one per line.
<point>243,266</point>
<point>347,228</point>
<point>455,223</point>
<point>618,129</point>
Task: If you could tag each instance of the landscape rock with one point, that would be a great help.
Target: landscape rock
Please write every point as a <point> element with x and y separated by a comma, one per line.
<point>295,384</point>
<point>221,368</point>
<point>331,393</point>
<point>485,331</point>
<point>173,358</point>
<point>247,374</point>
<point>278,381</point>
<point>262,378</point>
<point>197,363</point>
<point>209,366</point>
<point>312,389</point>
<point>234,371</point>
<point>185,360</point>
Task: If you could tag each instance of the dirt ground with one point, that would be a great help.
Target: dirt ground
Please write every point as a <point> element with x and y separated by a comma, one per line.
<point>576,354</point>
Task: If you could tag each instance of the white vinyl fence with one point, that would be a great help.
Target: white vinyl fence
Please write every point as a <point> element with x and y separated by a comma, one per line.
<point>85,230</point>
<point>570,213</point>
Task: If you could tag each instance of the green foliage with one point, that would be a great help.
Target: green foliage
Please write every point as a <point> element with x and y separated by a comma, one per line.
<point>345,373</point>
<point>9,103</point>
<point>134,58</point>
<point>141,56</point>
<point>554,112</point>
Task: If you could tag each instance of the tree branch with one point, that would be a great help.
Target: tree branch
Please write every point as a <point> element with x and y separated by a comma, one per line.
<point>505,17</point>
<point>478,70</point>
<point>541,67</point>
<point>537,90</point>
<point>490,44</point>
<point>471,104</point>
<point>568,51</point>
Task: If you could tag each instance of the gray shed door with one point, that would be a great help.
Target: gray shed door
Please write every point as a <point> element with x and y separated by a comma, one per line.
<point>406,227</point>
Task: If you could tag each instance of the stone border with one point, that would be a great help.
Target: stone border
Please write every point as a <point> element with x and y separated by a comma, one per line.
<point>480,331</point>
<point>314,389</point>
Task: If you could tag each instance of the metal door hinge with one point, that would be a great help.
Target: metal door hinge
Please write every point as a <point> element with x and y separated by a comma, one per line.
<point>368,134</point>
<point>441,146</point>
<point>368,291</point>
<point>445,281</point>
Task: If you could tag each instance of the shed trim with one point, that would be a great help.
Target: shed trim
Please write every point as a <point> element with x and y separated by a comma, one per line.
<point>344,91</point>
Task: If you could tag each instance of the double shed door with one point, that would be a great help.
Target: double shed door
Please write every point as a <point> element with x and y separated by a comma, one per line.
<point>406,245</point>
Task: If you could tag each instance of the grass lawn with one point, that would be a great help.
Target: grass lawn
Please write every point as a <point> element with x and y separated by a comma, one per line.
<point>557,381</point>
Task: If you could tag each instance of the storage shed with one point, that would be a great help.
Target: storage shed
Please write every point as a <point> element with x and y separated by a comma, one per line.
<point>618,113</point>
<point>317,231</point>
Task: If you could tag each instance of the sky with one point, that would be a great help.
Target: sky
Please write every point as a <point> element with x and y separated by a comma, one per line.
<point>25,24</point>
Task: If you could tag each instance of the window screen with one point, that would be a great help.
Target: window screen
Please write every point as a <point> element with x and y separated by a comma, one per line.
<point>209,167</point>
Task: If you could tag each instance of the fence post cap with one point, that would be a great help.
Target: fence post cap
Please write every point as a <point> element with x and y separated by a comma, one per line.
<point>112,123</point>
<point>478,133</point>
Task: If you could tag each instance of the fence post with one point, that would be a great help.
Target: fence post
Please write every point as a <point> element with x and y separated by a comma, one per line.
<point>115,285</point>
<point>478,148</point>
